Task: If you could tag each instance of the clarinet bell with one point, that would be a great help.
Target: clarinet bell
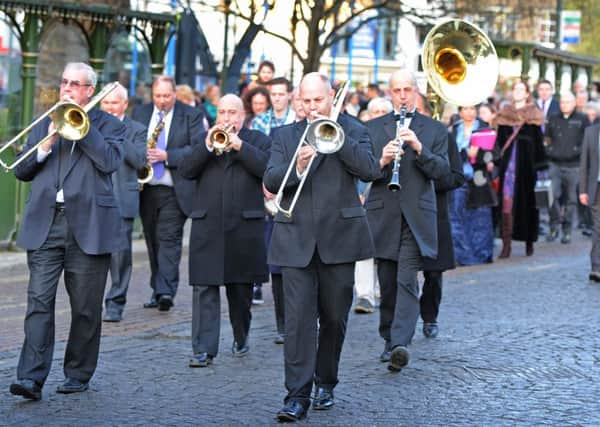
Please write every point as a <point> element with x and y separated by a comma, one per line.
<point>394,184</point>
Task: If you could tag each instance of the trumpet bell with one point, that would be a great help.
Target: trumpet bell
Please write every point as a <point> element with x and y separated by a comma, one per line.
<point>71,121</point>
<point>325,136</point>
<point>460,62</point>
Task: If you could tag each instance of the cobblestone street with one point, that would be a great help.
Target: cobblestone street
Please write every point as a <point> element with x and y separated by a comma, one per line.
<point>518,345</point>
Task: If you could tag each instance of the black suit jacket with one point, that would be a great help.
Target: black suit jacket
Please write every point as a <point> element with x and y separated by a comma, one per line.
<point>186,126</point>
<point>125,182</point>
<point>91,208</point>
<point>416,199</point>
<point>227,238</point>
<point>588,168</point>
<point>328,217</point>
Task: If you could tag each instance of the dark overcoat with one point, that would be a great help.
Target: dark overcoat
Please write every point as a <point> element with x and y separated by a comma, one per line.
<point>227,236</point>
<point>530,158</point>
<point>416,200</point>
<point>445,257</point>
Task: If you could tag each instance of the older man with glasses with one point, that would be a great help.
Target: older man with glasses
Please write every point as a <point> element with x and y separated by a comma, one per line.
<point>71,224</point>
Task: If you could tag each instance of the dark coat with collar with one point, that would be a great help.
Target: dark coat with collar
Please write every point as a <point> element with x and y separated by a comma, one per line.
<point>443,188</point>
<point>328,216</point>
<point>125,178</point>
<point>186,126</point>
<point>416,199</point>
<point>588,168</point>
<point>91,208</point>
<point>227,237</point>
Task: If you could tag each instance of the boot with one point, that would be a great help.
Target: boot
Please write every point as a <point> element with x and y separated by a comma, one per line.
<point>506,233</point>
<point>528,248</point>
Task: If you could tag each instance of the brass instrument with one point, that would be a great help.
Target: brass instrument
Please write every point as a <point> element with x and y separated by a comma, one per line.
<point>146,173</point>
<point>220,138</point>
<point>70,120</point>
<point>325,136</point>
<point>460,62</point>
<point>394,184</point>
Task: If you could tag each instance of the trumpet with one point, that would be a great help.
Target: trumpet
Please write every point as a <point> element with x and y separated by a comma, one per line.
<point>146,173</point>
<point>394,184</point>
<point>71,122</point>
<point>326,136</point>
<point>220,138</point>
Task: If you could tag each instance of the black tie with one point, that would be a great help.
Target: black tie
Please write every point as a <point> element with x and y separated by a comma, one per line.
<point>64,160</point>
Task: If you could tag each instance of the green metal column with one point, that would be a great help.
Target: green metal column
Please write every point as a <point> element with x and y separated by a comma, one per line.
<point>525,64</point>
<point>543,68</point>
<point>557,75</point>
<point>158,47</point>
<point>588,71</point>
<point>30,49</point>
<point>574,70</point>
<point>98,46</point>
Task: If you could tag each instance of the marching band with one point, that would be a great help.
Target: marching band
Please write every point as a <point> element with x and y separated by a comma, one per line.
<point>163,164</point>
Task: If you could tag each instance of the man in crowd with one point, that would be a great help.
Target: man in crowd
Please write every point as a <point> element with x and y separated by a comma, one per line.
<point>226,242</point>
<point>563,140</point>
<point>167,199</point>
<point>404,222</point>
<point>318,246</point>
<point>128,195</point>
<point>71,224</point>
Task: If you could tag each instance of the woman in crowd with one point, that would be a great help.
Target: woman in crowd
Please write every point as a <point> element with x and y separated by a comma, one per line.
<point>211,99</point>
<point>470,204</point>
<point>520,144</point>
<point>486,112</point>
<point>256,101</point>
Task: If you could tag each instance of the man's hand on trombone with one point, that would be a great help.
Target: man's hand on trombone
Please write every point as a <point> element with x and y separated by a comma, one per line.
<point>304,156</point>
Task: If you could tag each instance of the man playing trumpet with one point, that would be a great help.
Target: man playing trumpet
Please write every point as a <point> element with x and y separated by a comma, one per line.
<point>226,241</point>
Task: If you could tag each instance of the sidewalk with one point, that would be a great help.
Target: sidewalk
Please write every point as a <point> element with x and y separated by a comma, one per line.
<point>517,346</point>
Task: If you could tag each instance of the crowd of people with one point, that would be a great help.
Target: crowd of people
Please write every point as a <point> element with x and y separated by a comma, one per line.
<point>219,160</point>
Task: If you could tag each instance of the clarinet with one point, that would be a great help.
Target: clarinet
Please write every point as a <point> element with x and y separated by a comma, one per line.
<point>394,184</point>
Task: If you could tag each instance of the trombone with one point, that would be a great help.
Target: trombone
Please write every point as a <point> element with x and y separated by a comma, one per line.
<point>325,136</point>
<point>71,122</point>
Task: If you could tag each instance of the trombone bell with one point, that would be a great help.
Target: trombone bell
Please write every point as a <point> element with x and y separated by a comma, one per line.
<point>460,62</point>
<point>70,121</point>
<point>325,136</point>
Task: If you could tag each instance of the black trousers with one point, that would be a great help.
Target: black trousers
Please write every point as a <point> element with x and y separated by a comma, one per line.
<point>206,315</point>
<point>85,279</point>
<point>317,294</point>
<point>399,309</point>
<point>120,272</point>
<point>278,301</point>
<point>163,222</point>
<point>431,297</point>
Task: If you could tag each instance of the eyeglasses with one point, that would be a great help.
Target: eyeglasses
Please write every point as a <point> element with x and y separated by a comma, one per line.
<point>73,83</point>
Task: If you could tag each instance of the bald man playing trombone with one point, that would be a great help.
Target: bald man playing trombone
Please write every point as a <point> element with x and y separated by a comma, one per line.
<point>318,245</point>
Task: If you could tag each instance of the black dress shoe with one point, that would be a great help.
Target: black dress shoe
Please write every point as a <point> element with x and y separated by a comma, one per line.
<point>386,353</point>
<point>594,276</point>
<point>430,330</point>
<point>291,411</point>
<point>398,359</point>
<point>201,360</point>
<point>240,350</point>
<point>151,304</point>
<point>71,385</point>
<point>29,389</point>
<point>165,302</point>
<point>323,399</point>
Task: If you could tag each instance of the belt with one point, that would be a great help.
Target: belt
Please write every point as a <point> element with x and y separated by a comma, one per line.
<point>60,207</point>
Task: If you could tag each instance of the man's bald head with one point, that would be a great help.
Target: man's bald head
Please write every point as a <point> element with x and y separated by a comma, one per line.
<point>316,95</point>
<point>230,111</point>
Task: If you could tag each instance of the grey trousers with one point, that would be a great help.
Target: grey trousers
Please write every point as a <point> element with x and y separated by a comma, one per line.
<point>564,187</point>
<point>399,310</point>
<point>85,278</point>
<point>206,315</point>
<point>120,272</point>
